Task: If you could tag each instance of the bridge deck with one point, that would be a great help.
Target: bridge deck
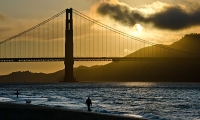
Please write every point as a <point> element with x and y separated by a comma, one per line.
<point>115,59</point>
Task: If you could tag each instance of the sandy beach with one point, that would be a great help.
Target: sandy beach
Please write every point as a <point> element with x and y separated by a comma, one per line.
<point>9,111</point>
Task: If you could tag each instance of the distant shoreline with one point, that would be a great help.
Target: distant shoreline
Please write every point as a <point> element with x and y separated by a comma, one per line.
<point>24,83</point>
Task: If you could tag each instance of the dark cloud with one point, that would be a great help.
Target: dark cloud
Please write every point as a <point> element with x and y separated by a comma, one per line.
<point>171,18</point>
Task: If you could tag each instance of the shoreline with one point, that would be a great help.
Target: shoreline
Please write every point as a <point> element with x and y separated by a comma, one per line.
<point>13,111</point>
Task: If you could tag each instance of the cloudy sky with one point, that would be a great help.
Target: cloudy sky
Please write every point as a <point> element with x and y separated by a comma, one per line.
<point>160,21</point>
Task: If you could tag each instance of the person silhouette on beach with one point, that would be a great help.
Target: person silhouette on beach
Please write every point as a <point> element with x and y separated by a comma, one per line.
<point>89,102</point>
<point>17,93</point>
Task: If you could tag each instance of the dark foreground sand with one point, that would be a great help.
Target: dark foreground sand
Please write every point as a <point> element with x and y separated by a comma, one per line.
<point>10,111</point>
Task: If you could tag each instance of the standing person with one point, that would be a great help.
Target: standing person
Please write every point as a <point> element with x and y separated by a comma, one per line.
<point>89,102</point>
<point>17,93</point>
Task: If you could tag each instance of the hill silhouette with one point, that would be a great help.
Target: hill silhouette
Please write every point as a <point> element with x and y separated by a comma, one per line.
<point>27,76</point>
<point>151,71</point>
<point>132,71</point>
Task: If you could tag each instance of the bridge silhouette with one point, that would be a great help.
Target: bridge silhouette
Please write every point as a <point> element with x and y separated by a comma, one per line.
<point>72,36</point>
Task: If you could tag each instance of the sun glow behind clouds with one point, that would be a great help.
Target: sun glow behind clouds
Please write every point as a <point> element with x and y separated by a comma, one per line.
<point>139,28</point>
<point>142,30</point>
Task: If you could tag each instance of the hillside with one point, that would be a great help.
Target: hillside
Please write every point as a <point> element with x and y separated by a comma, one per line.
<point>151,71</point>
<point>27,76</point>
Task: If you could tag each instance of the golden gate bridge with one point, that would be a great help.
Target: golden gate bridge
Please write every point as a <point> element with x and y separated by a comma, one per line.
<point>72,36</point>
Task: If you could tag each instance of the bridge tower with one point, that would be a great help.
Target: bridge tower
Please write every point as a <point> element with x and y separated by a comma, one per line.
<point>69,62</point>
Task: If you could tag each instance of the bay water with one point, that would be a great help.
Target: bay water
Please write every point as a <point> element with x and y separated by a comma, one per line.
<point>154,101</point>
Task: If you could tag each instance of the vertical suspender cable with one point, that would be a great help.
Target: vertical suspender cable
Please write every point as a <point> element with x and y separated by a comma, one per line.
<point>156,51</point>
<point>144,50</point>
<point>62,35</point>
<point>123,46</point>
<point>25,45</point>
<point>140,49</point>
<point>127,46</point>
<point>38,41</point>
<point>10,48</point>
<point>48,41</point>
<point>76,35</point>
<point>93,39</point>
<point>89,39</point>
<point>131,46</point>
<point>85,45</point>
<point>110,44</point>
<point>19,46</point>
<point>80,36</point>
<point>0,50</point>
<point>147,49</point>
<point>28,46</point>
<point>5,49</point>
<point>57,37</point>
<point>97,40</point>
<point>85,36</point>
<point>33,45</point>
<point>115,44</point>
<point>43,39</point>
<point>15,48</point>
<point>5,43</point>
<point>102,41</point>
<point>52,39</point>
<point>119,46</point>
<point>106,42</point>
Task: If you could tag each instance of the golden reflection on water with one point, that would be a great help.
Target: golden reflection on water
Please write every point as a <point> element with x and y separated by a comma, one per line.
<point>139,84</point>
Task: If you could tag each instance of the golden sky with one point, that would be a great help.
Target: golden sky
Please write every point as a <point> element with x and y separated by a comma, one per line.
<point>19,15</point>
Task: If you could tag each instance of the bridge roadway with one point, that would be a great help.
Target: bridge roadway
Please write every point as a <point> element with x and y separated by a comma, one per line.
<point>114,59</point>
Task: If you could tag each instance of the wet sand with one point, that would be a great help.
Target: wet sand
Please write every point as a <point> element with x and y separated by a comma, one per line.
<point>10,111</point>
